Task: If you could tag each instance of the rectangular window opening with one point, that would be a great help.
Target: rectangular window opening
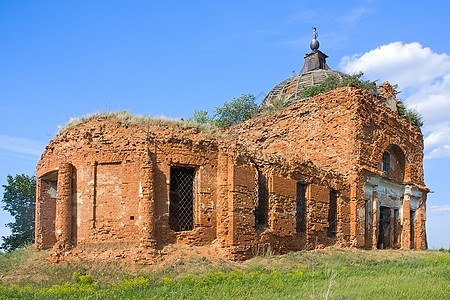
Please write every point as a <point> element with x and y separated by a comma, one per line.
<point>181,208</point>
<point>262,207</point>
<point>386,163</point>
<point>383,230</point>
<point>412,223</point>
<point>368,222</point>
<point>300,213</point>
<point>332,214</point>
<point>396,227</point>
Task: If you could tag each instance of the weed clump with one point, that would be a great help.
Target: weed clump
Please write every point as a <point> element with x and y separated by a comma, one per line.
<point>125,117</point>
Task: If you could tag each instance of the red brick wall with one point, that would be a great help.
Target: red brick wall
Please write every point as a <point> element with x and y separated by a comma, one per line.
<point>121,176</point>
<point>121,181</point>
<point>45,214</point>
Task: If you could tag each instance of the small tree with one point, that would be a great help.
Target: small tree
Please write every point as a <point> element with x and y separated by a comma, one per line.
<point>409,114</point>
<point>236,111</point>
<point>401,109</point>
<point>356,80</point>
<point>19,200</point>
<point>413,117</point>
<point>200,117</point>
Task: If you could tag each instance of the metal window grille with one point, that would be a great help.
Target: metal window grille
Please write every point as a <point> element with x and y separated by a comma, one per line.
<point>181,208</point>
<point>300,215</point>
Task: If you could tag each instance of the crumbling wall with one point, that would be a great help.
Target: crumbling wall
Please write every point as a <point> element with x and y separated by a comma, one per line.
<point>116,207</point>
<point>203,158</point>
<point>318,130</point>
<point>121,177</point>
<point>329,148</point>
<point>45,213</point>
<point>346,131</point>
<point>379,128</point>
<point>281,234</point>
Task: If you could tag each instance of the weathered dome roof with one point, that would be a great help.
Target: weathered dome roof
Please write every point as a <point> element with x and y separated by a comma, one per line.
<point>290,89</point>
<point>314,72</point>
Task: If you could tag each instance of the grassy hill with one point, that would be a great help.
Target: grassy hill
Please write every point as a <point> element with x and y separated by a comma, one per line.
<point>200,273</point>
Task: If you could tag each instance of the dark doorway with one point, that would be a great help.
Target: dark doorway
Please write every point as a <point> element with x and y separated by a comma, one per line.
<point>300,213</point>
<point>396,228</point>
<point>332,214</point>
<point>181,208</point>
<point>262,207</point>
<point>368,223</point>
<point>383,230</point>
<point>413,219</point>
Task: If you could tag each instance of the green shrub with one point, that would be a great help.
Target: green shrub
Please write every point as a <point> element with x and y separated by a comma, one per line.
<point>274,106</point>
<point>82,278</point>
<point>333,81</point>
<point>236,111</point>
<point>409,114</point>
<point>200,117</point>
<point>413,117</point>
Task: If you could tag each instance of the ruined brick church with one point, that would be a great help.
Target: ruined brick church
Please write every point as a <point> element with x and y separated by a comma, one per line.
<point>341,168</point>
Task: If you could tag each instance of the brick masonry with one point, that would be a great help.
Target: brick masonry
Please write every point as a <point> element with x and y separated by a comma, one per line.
<point>105,180</point>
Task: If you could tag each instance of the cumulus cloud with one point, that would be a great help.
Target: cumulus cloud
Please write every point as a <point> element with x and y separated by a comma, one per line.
<point>423,76</point>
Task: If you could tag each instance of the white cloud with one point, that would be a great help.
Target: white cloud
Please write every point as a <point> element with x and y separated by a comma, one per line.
<point>438,141</point>
<point>21,145</point>
<point>408,65</point>
<point>424,78</point>
<point>438,210</point>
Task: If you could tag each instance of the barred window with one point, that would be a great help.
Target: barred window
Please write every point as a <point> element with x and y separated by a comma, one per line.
<point>181,208</point>
<point>386,162</point>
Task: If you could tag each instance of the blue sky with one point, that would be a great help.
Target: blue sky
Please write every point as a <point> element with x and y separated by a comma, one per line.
<point>63,59</point>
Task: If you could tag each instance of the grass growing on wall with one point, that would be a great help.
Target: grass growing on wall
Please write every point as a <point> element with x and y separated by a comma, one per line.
<point>327,274</point>
<point>125,117</point>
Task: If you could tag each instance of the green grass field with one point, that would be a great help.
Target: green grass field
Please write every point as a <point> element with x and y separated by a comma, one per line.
<point>324,274</point>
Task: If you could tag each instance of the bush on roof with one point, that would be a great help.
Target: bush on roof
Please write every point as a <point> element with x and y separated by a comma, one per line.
<point>332,82</point>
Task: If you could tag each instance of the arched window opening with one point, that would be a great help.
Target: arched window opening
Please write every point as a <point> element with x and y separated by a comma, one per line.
<point>386,162</point>
<point>393,162</point>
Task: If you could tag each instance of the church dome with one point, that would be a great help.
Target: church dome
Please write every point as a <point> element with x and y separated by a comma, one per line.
<point>314,72</point>
<point>290,90</point>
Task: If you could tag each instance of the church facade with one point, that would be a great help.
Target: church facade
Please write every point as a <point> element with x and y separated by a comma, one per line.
<point>341,168</point>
